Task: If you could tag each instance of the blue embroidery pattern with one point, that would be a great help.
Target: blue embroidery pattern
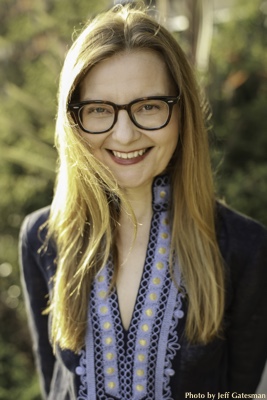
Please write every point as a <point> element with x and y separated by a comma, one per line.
<point>143,367</point>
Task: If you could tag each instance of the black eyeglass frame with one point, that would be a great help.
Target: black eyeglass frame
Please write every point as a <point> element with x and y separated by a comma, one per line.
<point>75,109</point>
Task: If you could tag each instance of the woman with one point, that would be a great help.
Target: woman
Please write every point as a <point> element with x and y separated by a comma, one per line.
<point>155,290</point>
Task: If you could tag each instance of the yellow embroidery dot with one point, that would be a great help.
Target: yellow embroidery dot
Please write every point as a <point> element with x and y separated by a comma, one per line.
<point>145,327</point>
<point>153,296</point>
<point>109,356</point>
<point>101,278</point>
<point>102,294</point>
<point>111,385</point>
<point>142,342</point>
<point>165,221</point>
<point>110,371</point>
<point>156,281</point>
<point>149,312</point>
<point>159,265</point>
<point>103,310</point>
<point>140,372</point>
<point>164,235</point>
<point>162,194</point>
<point>162,250</point>
<point>139,388</point>
<point>141,357</point>
<point>107,325</point>
<point>108,340</point>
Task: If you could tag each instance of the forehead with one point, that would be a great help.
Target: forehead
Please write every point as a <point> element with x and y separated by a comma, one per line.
<point>137,73</point>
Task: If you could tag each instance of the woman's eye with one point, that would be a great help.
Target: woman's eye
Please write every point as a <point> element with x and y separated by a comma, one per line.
<point>98,110</point>
<point>150,107</point>
<point>95,111</point>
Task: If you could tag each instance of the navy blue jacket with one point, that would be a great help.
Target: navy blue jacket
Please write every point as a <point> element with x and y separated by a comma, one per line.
<point>233,363</point>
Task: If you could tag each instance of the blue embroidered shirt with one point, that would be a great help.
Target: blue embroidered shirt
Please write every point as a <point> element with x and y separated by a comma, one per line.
<point>153,359</point>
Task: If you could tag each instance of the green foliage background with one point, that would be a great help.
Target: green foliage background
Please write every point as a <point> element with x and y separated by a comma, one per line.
<point>34,37</point>
<point>237,90</point>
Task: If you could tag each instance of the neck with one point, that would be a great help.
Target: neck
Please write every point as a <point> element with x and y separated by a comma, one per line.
<point>141,203</point>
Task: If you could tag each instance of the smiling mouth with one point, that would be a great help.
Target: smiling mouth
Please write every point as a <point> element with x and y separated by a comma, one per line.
<point>130,155</point>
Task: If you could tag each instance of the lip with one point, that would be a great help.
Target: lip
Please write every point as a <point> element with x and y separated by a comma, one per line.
<point>121,159</point>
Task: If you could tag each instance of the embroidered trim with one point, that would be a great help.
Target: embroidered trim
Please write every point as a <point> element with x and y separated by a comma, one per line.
<point>141,367</point>
<point>172,347</point>
<point>81,370</point>
<point>107,334</point>
<point>144,334</point>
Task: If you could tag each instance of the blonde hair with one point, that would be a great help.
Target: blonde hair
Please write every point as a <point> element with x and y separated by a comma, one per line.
<point>87,199</point>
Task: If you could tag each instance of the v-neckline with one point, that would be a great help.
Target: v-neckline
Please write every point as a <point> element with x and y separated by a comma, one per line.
<point>146,269</point>
<point>147,274</point>
<point>121,363</point>
<point>160,199</point>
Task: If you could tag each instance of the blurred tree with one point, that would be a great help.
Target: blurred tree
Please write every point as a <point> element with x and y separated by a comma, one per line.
<point>238,93</point>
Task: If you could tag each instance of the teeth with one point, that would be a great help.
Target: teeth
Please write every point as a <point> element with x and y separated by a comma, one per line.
<point>133,154</point>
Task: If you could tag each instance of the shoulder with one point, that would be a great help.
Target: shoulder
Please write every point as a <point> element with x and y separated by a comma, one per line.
<point>243,245</point>
<point>33,229</point>
<point>37,254</point>
<point>239,230</point>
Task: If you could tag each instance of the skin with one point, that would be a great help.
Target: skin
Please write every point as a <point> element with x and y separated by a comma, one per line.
<point>121,79</point>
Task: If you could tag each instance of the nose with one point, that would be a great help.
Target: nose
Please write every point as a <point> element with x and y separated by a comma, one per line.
<point>124,131</point>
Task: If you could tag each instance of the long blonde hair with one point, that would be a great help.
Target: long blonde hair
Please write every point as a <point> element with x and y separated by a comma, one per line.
<point>87,199</point>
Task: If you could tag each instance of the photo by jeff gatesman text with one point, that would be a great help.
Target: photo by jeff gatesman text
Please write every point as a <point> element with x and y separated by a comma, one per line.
<point>224,395</point>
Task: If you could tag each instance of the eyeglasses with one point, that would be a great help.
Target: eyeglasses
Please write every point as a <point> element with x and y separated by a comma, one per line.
<point>149,113</point>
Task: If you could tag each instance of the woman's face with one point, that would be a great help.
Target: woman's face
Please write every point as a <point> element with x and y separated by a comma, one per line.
<point>135,156</point>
